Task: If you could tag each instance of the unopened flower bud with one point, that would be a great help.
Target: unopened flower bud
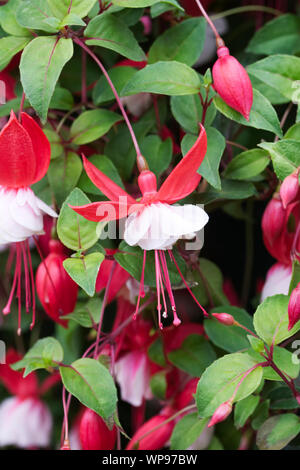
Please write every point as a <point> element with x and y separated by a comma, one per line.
<point>221,413</point>
<point>289,189</point>
<point>224,318</point>
<point>294,307</point>
<point>94,434</point>
<point>232,82</point>
<point>273,220</point>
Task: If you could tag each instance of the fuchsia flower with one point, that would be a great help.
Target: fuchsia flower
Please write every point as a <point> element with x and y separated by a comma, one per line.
<point>232,82</point>
<point>153,223</point>
<point>289,189</point>
<point>277,281</point>
<point>24,160</point>
<point>55,288</point>
<point>25,421</point>
<point>94,433</point>
<point>221,413</point>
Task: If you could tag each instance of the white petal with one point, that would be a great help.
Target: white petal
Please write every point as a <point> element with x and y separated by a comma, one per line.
<point>137,225</point>
<point>132,373</point>
<point>45,208</point>
<point>277,281</point>
<point>24,423</point>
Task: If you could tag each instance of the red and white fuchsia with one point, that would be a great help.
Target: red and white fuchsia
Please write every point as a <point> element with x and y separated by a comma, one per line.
<point>24,160</point>
<point>294,307</point>
<point>153,223</point>
<point>25,421</point>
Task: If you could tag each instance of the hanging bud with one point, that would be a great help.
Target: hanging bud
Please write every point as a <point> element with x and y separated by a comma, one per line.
<point>294,307</point>
<point>94,434</point>
<point>224,318</point>
<point>232,82</point>
<point>289,189</point>
<point>221,413</point>
<point>273,221</point>
<point>56,290</point>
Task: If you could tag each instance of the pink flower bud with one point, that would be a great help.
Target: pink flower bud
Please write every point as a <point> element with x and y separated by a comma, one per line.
<point>232,82</point>
<point>294,307</point>
<point>94,434</point>
<point>273,221</point>
<point>221,413</point>
<point>289,189</point>
<point>224,318</point>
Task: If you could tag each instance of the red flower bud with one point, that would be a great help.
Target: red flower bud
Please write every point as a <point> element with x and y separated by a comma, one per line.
<point>294,307</point>
<point>94,434</point>
<point>221,413</point>
<point>55,288</point>
<point>154,440</point>
<point>289,189</point>
<point>232,82</point>
<point>273,221</point>
<point>224,318</point>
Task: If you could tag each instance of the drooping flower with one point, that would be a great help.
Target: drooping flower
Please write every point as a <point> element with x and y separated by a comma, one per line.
<point>55,288</point>
<point>153,223</point>
<point>294,307</point>
<point>221,413</point>
<point>232,82</point>
<point>94,433</point>
<point>25,421</point>
<point>24,160</point>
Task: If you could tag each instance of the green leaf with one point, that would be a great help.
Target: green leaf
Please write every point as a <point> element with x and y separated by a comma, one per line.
<point>41,64</point>
<point>256,344</point>
<point>282,398</point>
<point>131,259</point>
<point>295,276</point>
<point>194,356</point>
<point>55,142</point>
<point>271,320</point>
<point>8,19</point>
<point>32,15</point>
<point>167,78</point>
<point>285,156</point>
<point>260,415</point>
<point>158,384</point>
<point>112,33</point>
<point>102,92</point>
<point>209,168</point>
<point>187,431</point>
<point>232,190</point>
<point>293,133</point>
<point>91,383</point>
<point>283,359</point>
<point>247,164</point>
<point>91,125</point>
<point>72,20</point>
<point>158,153</point>
<point>262,116</point>
<point>220,380</point>
<point>279,36</point>
<point>134,3</point>
<point>183,42</point>
<point>62,99</point>
<point>105,165</point>
<point>86,314</point>
<point>244,409</point>
<point>43,355</point>
<point>61,8</point>
<point>229,338</point>
<point>9,47</point>
<point>74,231</point>
<point>156,352</point>
<point>278,72</point>
<point>84,271</point>
<point>278,431</point>
<point>63,175</point>
<point>209,281</point>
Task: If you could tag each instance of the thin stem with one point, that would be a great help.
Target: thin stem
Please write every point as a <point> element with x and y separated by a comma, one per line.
<point>208,19</point>
<point>284,118</point>
<point>22,105</point>
<point>246,9</point>
<point>101,66</point>
<point>103,306</point>
<point>65,407</point>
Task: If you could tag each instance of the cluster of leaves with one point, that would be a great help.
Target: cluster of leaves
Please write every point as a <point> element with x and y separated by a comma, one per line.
<point>76,107</point>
